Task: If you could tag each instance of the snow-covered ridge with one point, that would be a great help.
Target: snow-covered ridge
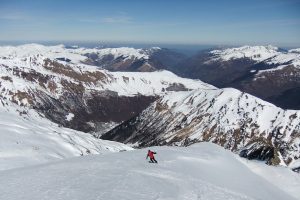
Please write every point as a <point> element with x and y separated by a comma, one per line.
<point>268,54</point>
<point>258,53</point>
<point>76,55</point>
<point>241,105</point>
<point>124,83</point>
<point>295,50</point>
<point>150,83</point>
<point>31,58</point>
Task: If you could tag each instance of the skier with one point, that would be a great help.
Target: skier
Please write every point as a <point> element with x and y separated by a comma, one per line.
<point>151,156</point>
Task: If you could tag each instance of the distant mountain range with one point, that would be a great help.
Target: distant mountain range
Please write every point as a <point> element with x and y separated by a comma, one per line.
<point>55,82</point>
<point>267,72</point>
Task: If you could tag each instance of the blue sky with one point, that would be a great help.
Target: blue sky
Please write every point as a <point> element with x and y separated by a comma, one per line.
<point>228,22</point>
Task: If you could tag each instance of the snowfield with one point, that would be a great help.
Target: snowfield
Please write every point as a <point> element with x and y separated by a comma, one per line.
<point>203,171</point>
<point>28,139</point>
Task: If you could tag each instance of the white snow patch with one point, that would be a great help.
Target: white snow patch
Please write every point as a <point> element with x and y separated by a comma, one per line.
<point>70,116</point>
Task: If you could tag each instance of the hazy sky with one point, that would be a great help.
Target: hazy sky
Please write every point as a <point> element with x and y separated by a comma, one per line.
<point>227,22</point>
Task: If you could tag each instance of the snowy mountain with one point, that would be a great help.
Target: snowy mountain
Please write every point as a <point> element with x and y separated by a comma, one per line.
<point>113,59</point>
<point>268,54</point>
<point>202,171</point>
<point>86,98</point>
<point>267,72</point>
<point>77,95</point>
<point>235,120</point>
<point>29,139</point>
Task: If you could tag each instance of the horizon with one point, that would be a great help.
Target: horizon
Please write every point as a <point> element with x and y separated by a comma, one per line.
<point>214,23</point>
<point>115,44</point>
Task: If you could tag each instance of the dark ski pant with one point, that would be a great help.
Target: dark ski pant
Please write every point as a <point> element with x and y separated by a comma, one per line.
<point>153,160</point>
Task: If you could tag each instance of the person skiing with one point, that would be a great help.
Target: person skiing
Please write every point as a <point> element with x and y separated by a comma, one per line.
<point>151,156</point>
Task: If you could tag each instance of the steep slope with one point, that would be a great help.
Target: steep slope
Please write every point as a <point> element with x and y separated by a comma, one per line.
<point>263,71</point>
<point>35,76</point>
<point>204,171</point>
<point>29,139</point>
<point>235,120</point>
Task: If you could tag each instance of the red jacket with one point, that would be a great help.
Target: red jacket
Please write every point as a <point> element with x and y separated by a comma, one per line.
<point>151,154</point>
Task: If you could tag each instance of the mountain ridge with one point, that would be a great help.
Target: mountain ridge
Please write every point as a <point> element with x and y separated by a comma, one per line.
<point>251,69</point>
<point>235,120</point>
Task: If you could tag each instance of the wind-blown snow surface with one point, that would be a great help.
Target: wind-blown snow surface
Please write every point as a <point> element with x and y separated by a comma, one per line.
<point>203,171</point>
<point>30,139</point>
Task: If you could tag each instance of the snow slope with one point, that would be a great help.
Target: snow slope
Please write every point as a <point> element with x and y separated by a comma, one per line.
<point>203,171</point>
<point>279,176</point>
<point>28,139</point>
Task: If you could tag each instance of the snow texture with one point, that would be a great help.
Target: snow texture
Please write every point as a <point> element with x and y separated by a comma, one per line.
<point>203,171</point>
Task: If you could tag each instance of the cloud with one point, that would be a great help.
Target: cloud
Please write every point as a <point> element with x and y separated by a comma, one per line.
<point>85,20</point>
<point>13,16</point>
<point>117,20</point>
